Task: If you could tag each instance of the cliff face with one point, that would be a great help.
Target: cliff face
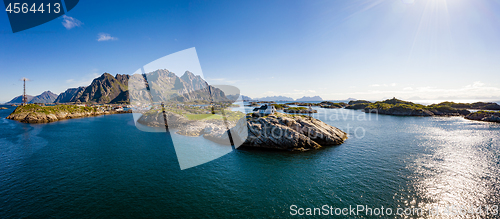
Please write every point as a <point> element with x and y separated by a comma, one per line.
<point>70,95</point>
<point>163,86</point>
<point>104,89</point>
<point>166,86</point>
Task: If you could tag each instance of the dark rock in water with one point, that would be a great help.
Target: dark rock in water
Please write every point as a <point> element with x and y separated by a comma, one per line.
<point>357,106</point>
<point>400,111</point>
<point>484,116</point>
<point>352,102</point>
<point>445,111</point>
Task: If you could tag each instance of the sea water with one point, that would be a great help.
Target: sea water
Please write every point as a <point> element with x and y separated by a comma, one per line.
<point>104,167</point>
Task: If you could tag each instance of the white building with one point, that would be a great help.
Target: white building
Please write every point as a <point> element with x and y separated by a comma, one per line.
<point>265,109</point>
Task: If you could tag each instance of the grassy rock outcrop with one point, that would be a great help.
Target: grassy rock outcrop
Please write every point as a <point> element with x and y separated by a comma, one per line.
<point>33,113</point>
<point>404,108</point>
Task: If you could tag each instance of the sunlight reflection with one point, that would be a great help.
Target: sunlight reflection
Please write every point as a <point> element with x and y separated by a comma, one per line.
<point>457,172</point>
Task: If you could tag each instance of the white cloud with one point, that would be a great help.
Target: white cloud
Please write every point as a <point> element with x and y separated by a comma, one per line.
<point>105,37</point>
<point>70,22</point>
<point>476,90</point>
<point>475,84</point>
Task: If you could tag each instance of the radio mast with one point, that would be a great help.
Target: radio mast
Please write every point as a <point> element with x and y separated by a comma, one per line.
<point>25,98</point>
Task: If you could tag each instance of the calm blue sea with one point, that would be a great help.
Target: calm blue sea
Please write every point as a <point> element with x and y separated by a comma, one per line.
<point>104,167</point>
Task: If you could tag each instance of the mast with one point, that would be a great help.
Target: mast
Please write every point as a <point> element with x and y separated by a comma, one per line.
<point>24,92</point>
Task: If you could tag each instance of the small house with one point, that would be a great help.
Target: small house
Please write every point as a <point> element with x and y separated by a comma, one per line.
<point>265,109</point>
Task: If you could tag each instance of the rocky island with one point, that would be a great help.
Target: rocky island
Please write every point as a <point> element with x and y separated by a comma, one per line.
<point>276,131</point>
<point>487,116</point>
<point>405,108</point>
<point>291,132</point>
<point>32,113</point>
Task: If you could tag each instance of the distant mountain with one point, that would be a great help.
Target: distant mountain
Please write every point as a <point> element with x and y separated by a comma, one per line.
<point>45,97</point>
<point>246,98</point>
<point>315,98</point>
<point>275,98</point>
<point>162,85</point>
<point>104,89</point>
<point>19,99</point>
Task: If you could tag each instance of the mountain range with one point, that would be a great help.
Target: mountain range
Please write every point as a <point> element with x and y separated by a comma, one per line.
<point>161,84</point>
<point>104,89</point>
<point>315,98</point>
<point>45,97</point>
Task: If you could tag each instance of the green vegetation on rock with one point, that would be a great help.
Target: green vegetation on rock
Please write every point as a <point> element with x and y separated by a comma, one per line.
<point>405,108</point>
<point>33,108</point>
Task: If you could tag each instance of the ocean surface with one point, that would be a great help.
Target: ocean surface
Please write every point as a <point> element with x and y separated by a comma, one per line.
<point>104,167</point>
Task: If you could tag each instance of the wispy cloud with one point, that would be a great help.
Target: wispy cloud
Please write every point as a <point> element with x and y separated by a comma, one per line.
<point>385,85</point>
<point>70,22</point>
<point>221,80</point>
<point>83,80</point>
<point>105,37</point>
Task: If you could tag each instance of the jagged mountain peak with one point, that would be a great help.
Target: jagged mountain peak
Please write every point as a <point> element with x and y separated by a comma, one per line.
<point>114,89</point>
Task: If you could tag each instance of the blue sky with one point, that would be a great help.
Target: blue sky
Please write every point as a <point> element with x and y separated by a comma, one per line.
<point>430,49</point>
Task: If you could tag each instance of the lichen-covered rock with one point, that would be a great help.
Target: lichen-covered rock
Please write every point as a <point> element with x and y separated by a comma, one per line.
<point>291,132</point>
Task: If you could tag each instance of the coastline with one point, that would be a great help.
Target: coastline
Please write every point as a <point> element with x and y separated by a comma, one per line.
<point>32,113</point>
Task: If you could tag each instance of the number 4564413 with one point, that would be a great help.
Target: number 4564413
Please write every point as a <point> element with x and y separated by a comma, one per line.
<point>25,8</point>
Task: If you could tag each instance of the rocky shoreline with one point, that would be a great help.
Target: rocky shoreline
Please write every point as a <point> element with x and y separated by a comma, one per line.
<point>278,131</point>
<point>32,113</point>
<point>486,116</point>
<point>397,107</point>
<point>292,132</point>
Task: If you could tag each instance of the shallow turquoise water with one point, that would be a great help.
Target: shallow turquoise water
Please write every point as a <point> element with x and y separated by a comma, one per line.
<point>102,167</point>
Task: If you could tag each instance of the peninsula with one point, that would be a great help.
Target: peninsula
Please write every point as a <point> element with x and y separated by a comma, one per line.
<point>33,113</point>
